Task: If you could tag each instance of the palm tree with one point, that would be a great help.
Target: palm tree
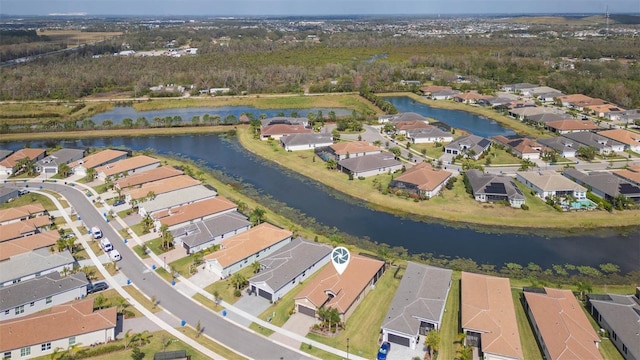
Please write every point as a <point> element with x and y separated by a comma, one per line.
<point>583,288</point>
<point>238,281</point>
<point>64,170</point>
<point>91,173</point>
<point>257,216</point>
<point>167,237</point>
<point>433,342</point>
<point>255,266</point>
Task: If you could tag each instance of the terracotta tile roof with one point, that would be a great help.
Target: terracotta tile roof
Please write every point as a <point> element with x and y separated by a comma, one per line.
<point>99,158</point>
<point>281,129</point>
<point>247,243</point>
<point>604,108</point>
<point>158,173</point>
<point>632,173</point>
<point>353,147</point>
<point>27,243</point>
<point>17,229</point>
<point>522,145</point>
<point>572,124</point>
<point>11,160</point>
<point>128,164</point>
<point>78,318</point>
<point>424,176</point>
<point>623,136</point>
<point>163,186</point>
<point>345,287</point>
<point>21,212</point>
<point>487,307</point>
<point>575,98</point>
<point>407,125</point>
<point>193,211</point>
<point>563,325</point>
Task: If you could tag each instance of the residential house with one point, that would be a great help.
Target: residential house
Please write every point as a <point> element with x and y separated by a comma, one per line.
<point>580,101</point>
<point>444,94</point>
<point>550,184</point>
<point>625,117</point>
<point>297,142</point>
<point>604,184</point>
<point>31,296</point>
<point>470,146</point>
<point>631,140</point>
<point>8,164</point>
<point>95,160</point>
<point>5,153</point>
<point>417,306</point>
<point>560,324</point>
<point>619,316</point>
<point>24,228</point>
<point>7,193</point>
<point>422,180</point>
<point>21,213</point>
<point>276,131</point>
<point>160,187</point>
<point>410,82</point>
<point>402,127</point>
<point>172,355</point>
<point>630,174</point>
<point>470,97</point>
<point>140,178</point>
<point>427,90</point>
<point>370,165</point>
<point>304,122</point>
<point>521,147</point>
<point>179,216</point>
<point>602,110</point>
<point>343,292</point>
<point>281,271</point>
<point>242,250</point>
<point>518,88</point>
<point>566,126</point>
<point>25,244</point>
<point>82,326</point>
<point>523,111</point>
<point>50,164</point>
<point>175,198</point>
<point>132,165</point>
<point>494,188</point>
<point>542,119</point>
<point>488,317</point>
<point>564,147</point>
<point>408,116</point>
<point>602,144</point>
<point>428,134</point>
<point>204,234</point>
<point>352,149</point>
<point>496,101</point>
<point>549,96</point>
<point>32,264</point>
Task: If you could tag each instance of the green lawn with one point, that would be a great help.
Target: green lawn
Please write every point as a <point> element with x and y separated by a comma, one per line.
<point>450,320</point>
<point>112,298</point>
<point>432,150</point>
<point>138,250</point>
<point>142,299</point>
<point>155,246</point>
<point>224,287</point>
<point>183,265</point>
<point>321,354</point>
<point>30,198</point>
<point>528,340</point>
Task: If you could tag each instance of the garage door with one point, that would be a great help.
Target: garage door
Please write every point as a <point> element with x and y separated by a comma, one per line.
<point>398,339</point>
<point>264,294</point>
<point>307,311</point>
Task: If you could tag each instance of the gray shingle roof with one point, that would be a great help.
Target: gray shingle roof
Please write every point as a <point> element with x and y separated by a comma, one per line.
<point>284,120</point>
<point>370,162</point>
<point>202,232</point>
<point>588,138</point>
<point>604,182</point>
<point>281,267</point>
<point>304,139</point>
<point>430,132</point>
<point>622,313</point>
<point>408,116</point>
<point>4,153</point>
<point>560,143</point>
<point>178,197</point>
<point>422,294</point>
<point>33,262</point>
<point>62,156</point>
<point>39,288</point>
<point>471,142</point>
<point>485,184</point>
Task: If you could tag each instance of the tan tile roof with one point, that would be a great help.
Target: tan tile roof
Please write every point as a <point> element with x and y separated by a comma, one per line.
<point>424,176</point>
<point>563,325</point>
<point>407,125</point>
<point>631,173</point>
<point>28,243</point>
<point>604,108</point>
<point>572,124</point>
<point>247,243</point>
<point>487,307</point>
<point>550,180</point>
<point>280,129</point>
<point>159,173</point>
<point>77,317</point>
<point>99,158</point>
<point>193,211</point>
<point>471,96</point>
<point>163,186</point>
<point>345,287</point>
<point>21,212</point>
<point>11,160</point>
<point>574,98</point>
<point>16,229</point>
<point>432,88</point>
<point>353,147</point>
<point>623,136</point>
<point>128,164</point>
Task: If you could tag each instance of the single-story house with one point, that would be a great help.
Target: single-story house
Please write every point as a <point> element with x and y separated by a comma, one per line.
<point>352,149</point>
<point>175,198</point>
<point>580,101</point>
<point>370,165</point>
<point>496,101</point>
<point>471,146</point>
<point>25,244</point>
<point>8,192</point>
<point>4,153</point>
<point>602,144</point>
<point>243,249</point>
<point>95,160</point>
<point>276,131</point>
<point>50,164</point>
<point>204,234</point>
<point>631,140</point>
<point>178,216</point>
<point>296,142</point>
<point>566,126</point>
<point>603,109</point>
<point>625,117</point>
<point>549,184</point>
<point>155,174</point>
<point>281,271</point>
<point>444,94</point>
<point>560,324</point>
<point>564,146</point>
<point>429,134</point>
<point>408,116</point>
<point>30,296</point>
<point>132,165</point>
<point>82,325</point>
<point>470,97</point>
<point>543,118</point>
<point>549,96</point>
<point>519,87</point>
<point>521,147</point>
<point>619,315</point>
<point>342,292</point>
<point>427,90</point>
<point>35,263</point>
<point>418,305</point>
<point>494,188</point>
<point>8,164</point>
<point>403,126</point>
<point>24,228</point>
<point>631,174</point>
<point>284,120</point>
<point>21,213</point>
<point>604,184</point>
<point>524,111</point>
<point>422,180</point>
<point>488,317</point>
<point>161,187</point>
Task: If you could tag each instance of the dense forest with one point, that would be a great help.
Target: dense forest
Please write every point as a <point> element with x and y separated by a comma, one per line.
<point>258,61</point>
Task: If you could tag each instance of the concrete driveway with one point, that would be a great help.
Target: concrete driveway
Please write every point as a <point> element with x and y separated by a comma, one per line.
<point>252,304</point>
<point>297,323</point>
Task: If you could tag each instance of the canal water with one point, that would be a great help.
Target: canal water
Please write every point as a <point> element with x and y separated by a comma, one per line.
<point>331,209</point>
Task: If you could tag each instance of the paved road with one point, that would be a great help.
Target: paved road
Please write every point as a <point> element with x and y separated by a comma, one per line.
<point>245,342</point>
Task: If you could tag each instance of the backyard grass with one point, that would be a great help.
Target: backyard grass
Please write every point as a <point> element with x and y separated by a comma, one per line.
<point>450,320</point>
<point>142,299</point>
<point>363,327</point>
<point>224,287</point>
<point>528,340</point>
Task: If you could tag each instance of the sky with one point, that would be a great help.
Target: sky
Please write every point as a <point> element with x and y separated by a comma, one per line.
<point>312,7</point>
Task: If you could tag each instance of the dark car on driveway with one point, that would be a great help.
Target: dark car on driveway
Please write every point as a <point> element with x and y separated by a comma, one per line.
<point>118,203</point>
<point>384,350</point>
<point>99,286</point>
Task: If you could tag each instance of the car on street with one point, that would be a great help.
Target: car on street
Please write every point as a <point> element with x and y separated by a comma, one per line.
<point>99,286</point>
<point>115,255</point>
<point>384,350</point>
<point>96,232</point>
<point>23,192</point>
<point>118,203</point>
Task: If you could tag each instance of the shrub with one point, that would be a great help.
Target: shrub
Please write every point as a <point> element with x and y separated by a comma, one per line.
<point>361,177</point>
<point>237,293</point>
<point>524,207</point>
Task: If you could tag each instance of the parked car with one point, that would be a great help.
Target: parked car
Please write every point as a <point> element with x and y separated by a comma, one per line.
<point>99,286</point>
<point>68,236</point>
<point>118,203</point>
<point>384,350</point>
<point>105,244</point>
<point>115,255</point>
<point>96,232</point>
<point>23,192</point>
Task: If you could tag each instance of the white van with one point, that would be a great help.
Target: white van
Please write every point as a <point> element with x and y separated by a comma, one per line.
<point>115,255</point>
<point>105,244</point>
<point>96,232</point>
